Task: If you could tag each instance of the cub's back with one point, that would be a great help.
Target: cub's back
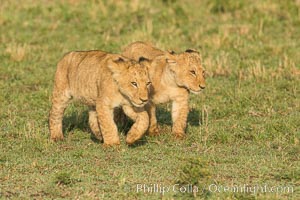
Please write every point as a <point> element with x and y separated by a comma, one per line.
<point>84,69</point>
<point>141,49</point>
<point>84,60</point>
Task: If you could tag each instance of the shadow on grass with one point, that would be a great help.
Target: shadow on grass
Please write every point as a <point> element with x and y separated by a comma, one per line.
<point>140,142</point>
<point>80,121</point>
<point>164,117</point>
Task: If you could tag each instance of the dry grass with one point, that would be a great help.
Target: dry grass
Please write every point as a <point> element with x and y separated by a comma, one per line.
<point>256,70</point>
<point>17,52</point>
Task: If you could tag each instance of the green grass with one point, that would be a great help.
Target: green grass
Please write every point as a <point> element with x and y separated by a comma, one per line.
<point>244,129</point>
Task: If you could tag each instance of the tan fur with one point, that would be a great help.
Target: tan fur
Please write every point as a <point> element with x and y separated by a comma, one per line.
<point>102,81</point>
<point>172,79</point>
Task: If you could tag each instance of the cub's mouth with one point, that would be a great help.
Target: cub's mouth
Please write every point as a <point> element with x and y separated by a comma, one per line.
<point>195,91</point>
<point>135,102</point>
<point>140,101</point>
<point>139,105</point>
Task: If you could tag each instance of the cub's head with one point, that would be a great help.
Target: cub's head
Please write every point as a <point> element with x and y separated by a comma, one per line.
<point>187,70</point>
<point>132,79</point>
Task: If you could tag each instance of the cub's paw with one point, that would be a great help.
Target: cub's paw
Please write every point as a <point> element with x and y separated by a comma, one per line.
<point>131,140</point>
<point>57,137</point>
<point>179,135</point>
<point>132,137</point>
<point>99,137</point>
<point>111,143</point>
<point>153,131</point>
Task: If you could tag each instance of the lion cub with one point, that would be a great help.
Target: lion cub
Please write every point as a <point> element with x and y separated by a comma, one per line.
<point>173,76</point>
<point>102,81</point>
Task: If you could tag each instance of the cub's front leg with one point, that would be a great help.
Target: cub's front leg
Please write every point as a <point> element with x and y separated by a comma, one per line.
<point>141,119</point>
<point>153,128</point>
<point>180,110</point>
<point>106,122</point>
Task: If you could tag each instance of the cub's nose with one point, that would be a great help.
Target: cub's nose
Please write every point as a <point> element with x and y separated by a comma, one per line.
<point>144,99</point>
<point>202,86</point>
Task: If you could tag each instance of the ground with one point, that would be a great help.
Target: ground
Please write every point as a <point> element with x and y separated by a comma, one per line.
<point>243,130</point>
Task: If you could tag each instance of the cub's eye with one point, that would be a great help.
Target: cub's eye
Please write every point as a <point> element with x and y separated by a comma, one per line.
<point>149,83</point>
<point>134,84</point>
<point>193,72</point>
<point>204,74</point>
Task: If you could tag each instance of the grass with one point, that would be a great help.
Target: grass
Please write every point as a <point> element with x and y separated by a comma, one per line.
<point>244,129</point>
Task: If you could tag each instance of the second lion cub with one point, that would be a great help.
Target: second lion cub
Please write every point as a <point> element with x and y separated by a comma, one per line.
<point>102,81</point>
<point>173,77</point>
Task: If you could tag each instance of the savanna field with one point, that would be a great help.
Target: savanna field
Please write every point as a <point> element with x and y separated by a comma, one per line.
<point>243,130</point>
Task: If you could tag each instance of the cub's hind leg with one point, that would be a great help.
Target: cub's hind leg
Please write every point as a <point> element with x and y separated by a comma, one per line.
<point>61,96</point>
<point>94,125</point>
<point>60,100</point>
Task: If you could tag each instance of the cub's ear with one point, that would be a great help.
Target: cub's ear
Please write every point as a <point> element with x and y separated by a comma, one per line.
<point>116,65</point>
<point>144,61</point>
<point>191,51</point>
<point>119,60</point>
<point>171,52</point>
<point>171,61</point>
<point>172,64</point>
